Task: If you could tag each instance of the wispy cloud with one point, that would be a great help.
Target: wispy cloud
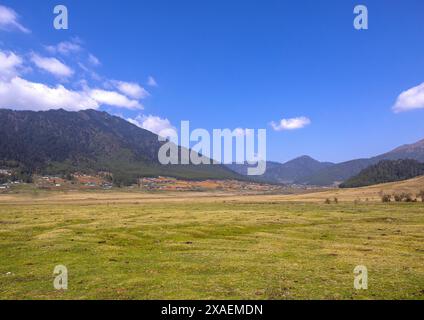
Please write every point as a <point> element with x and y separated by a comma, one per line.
<point>65,47</point>
<point>89,71</point>
<point>291,124</point>
<point>152,82</point>
<point>9,20</point>
<point>52,65</point>
<point>411,99</point>
<point>130,89</point>
<point>93,60</point>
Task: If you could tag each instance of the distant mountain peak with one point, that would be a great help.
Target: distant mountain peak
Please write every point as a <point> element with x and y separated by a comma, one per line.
<point>303,158</point>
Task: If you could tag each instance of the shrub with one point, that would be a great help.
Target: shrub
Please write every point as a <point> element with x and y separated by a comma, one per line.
<point>407,197</point>
<point>403,197</point>
<point>386,198</point>
<point>421,195</point>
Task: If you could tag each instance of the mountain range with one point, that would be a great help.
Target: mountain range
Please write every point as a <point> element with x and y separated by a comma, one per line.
<point>61,142</point>
<point>345,170</point>
<point>308,171</point>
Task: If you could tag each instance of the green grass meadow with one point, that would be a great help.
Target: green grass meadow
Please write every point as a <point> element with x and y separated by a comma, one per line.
<point>212,250</point>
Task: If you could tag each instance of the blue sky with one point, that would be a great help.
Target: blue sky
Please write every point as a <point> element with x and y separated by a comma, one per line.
<point>236,64</point>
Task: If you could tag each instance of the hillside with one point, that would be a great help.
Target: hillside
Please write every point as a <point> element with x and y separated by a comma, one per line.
<point>386,171</point>
<point>343,171</point>
<point>59,142</point>
<point>408,151</point>
<point>363,194</point>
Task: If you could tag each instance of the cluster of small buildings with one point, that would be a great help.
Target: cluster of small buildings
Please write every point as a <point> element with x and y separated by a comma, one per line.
<point>78,180</point>
<point>106,186</point>
<point>48,181</point>
<point>90,181</point>
<point>172,184</point>
<point>5,172</point>
<point>103,185</point>
<point>8,185</point>
<point>159,183</point>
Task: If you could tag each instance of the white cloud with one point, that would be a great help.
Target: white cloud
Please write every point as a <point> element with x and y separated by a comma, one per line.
<point>20,94</point>
<point>93,60</point>
<point>9,20</point>
<point>157,125</point>
<point>131,89</point>
<point>65,48</point>
<point>291,124</point>
<point>52,65</point>
<point>115,99</point>
<point>152,82</point>
<point>9,65</point>
<point>411,99</point>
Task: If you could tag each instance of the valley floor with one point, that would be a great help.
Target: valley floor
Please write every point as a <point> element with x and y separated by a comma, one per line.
<point>28,194</point>
<point>209,246</point>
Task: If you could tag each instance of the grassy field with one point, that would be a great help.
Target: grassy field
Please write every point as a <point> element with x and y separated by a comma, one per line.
<point>209,246</point>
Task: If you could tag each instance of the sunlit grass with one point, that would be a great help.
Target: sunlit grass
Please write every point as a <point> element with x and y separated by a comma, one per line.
<point>195,249</point>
